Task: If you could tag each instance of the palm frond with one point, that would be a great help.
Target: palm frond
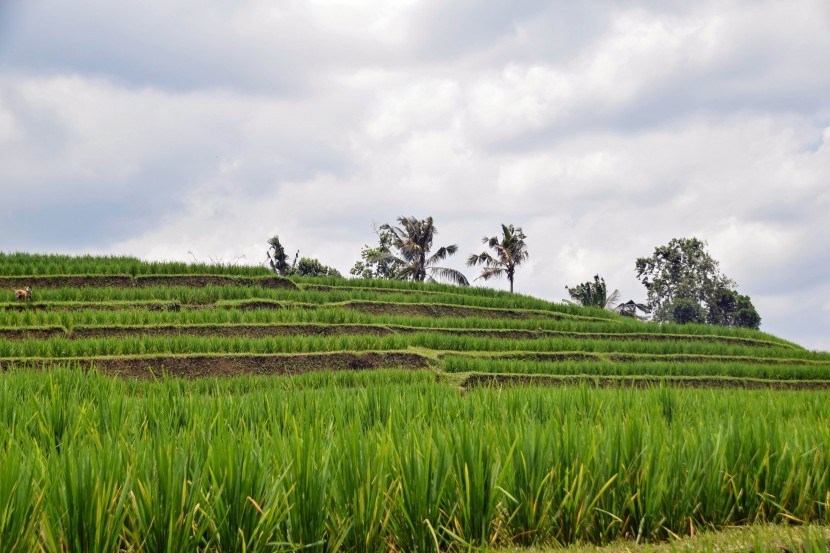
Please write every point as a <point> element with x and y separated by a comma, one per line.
<point>384,256</point>
<point>611,301</point>
<point>442,253</point>
<point>491,272</point>
<point>483,258</point>
<point>451,275</point>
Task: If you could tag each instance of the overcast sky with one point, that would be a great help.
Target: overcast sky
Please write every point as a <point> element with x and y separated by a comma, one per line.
<point>603,128</point>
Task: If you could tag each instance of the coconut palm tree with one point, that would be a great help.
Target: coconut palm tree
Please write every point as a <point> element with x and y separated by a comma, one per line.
<point>413,242</point>
<point>593,294</point>
<point>510,252</point>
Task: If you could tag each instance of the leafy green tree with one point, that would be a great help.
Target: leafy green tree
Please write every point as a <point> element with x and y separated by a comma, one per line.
<point>687,310</point>
<point>733,309</point>
<point>682,271</point>
<point>378,261</point>
<point>312,267</point>
<point>593,294</point>
<point>409,253</point>
<point>510,252</point>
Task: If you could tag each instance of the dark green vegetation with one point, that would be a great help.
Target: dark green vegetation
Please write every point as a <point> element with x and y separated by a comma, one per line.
<point>407,417</point>
<point>685,285</point>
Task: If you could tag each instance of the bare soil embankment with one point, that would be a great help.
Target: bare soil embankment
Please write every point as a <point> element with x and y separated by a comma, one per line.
<point>199,366</point>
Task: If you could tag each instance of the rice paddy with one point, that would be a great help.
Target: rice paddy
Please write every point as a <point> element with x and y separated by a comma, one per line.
<point>143,414</point>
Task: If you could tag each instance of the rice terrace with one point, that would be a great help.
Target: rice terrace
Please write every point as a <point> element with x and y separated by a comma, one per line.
<point>190,407</point>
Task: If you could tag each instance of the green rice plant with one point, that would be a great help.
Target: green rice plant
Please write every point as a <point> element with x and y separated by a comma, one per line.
<point>653,367</point>
<point>630,351</point>
<point>444,289</point>
<point>424,494</point>
<point>235,295</point>
<point>530,522</point>
<point>59,416</point>
<point>389,461</point>
<point>20,503</point>
<point>361,492</point>
<point>476,519</point>
<point>119,314</point>
<point>246,498</point>
<point>12,264</point>
<point>165,513</point>
<point>310,456</point>
<point>86,502</point>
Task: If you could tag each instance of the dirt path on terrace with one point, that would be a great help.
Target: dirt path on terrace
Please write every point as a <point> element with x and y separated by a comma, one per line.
<point>123,281</point>
<point>198,366</point>
<point>501,380</point>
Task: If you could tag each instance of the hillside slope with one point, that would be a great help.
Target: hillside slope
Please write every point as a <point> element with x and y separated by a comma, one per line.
<point>140,318</point>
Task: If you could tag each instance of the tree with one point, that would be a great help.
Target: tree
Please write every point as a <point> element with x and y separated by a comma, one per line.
<point>733,309</point>
<point>412,242</point>
<point>278,261</point>
<point>277,258</point>
<point>510,251</point>
<point>593,294</point>
<point>681,272</point>
<point>313,267</point>
<point>378,261</point>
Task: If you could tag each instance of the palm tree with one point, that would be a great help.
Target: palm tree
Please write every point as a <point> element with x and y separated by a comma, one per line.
<point>413,242</point>
<point>511,251</point>
<point>593,294</point>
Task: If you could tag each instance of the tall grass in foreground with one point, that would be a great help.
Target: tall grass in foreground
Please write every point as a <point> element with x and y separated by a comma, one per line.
<point>215,466</point>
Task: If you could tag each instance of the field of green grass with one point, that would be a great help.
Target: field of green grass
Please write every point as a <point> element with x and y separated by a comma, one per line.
<point>179,407</point>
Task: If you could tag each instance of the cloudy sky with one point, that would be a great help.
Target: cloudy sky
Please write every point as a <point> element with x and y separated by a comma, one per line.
<point>603,128</point>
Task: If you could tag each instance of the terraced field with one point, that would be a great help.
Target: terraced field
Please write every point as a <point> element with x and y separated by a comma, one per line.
<point>406,417</point>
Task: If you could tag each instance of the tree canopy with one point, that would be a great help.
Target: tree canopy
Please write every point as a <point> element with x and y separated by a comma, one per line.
<point>684,284</point>
<point>312,267</point>
<point>593,294</point>
<point>377,261</point>
<point>408,254</point>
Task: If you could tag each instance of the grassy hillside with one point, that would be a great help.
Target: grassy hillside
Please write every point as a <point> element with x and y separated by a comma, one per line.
<point>405,416</point>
